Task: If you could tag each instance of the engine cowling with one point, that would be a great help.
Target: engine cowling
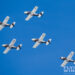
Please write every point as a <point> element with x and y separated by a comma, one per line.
<point>26,12</point>
<point>4,45</point>
<point>34,39</point>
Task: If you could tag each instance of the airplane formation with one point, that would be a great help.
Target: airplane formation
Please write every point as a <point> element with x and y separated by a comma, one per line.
<point>37,41</point>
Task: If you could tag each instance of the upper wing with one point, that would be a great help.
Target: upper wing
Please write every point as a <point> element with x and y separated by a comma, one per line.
<point>6,20</point>
<point>64,63</point>
<point>36,44</point>
<point>31,14</point>
<point>42,36</point>
<point>34,10</point>
<point>70,55</point>
<point>12,42</point>
<point>6,50</point>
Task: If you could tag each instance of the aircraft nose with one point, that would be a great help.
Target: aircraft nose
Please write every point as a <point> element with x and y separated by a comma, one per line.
<point>32,39</point>
<point>25,12</point>
<point>62,57</point>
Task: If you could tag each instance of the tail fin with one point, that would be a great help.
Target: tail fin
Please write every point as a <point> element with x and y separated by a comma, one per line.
<point>12,25</point>
<point>19,47</point>
<point>40,14</point>
<point>74,62</point>
<point>48,42</point>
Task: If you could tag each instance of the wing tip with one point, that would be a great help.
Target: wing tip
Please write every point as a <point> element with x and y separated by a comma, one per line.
<point>36,6</point>
<point>7,17</point>
<point>4,52</point>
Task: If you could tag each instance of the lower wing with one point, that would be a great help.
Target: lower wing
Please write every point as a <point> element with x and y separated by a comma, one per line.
<point>12,42</point>
<point>1,27</point>
<point>28,17</point>
<point>6,50</point>
<point>36,44</point>
<point>64,63</point>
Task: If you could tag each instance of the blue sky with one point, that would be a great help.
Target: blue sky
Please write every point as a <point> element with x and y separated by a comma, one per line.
<point>58,22</point>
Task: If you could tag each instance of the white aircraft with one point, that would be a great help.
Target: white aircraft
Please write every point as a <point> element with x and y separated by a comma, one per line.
<point>33,13</point>
<point>67,59</point>
<point>4,23</point>
<point>40,40</point>
<point>11,46</point>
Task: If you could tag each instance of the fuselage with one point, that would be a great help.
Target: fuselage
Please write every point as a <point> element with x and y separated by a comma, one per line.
<point>9,46</point>
<point>69,60</point>
<point>35,40</point>
<point>5,25</point>
<point>33,14</point>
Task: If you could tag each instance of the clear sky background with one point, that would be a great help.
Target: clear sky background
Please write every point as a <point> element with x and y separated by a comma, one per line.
<point>58,22</point>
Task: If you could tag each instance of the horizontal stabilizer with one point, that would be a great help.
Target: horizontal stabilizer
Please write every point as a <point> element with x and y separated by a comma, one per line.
<point>40,14</point>
<point>19,47</point>
<point>74,62</point>
<point>48,42</point>
<point>12,25</point>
